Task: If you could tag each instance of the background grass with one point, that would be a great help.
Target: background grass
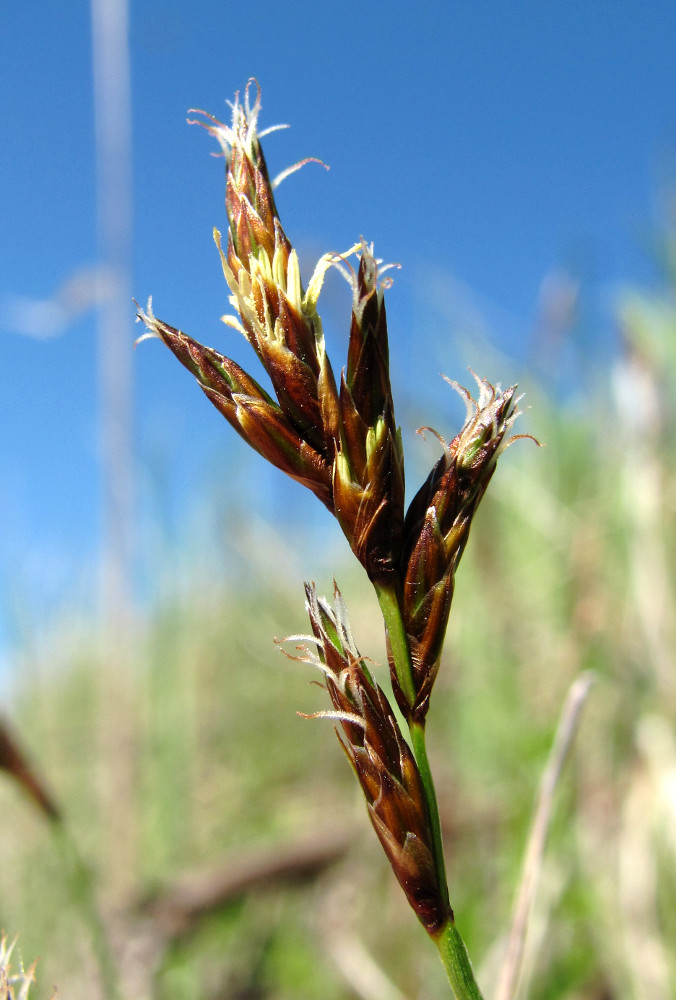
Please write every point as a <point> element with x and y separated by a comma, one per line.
<point>176,749</point>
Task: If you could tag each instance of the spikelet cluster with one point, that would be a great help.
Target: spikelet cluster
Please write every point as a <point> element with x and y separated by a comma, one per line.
<point>339,438</point>
<point>342,444</point>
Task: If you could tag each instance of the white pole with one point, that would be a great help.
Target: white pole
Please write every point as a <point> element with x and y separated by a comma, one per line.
<point>112,101</point>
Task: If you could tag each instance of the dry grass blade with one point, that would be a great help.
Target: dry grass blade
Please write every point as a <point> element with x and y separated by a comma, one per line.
<point>14,761</point>
<point>360,970</point>
<point>513,962</point>
<point>648,818</point>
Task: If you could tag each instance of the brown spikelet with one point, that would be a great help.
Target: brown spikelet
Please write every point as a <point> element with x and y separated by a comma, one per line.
<point>298,429</point>
<point>248,408</point>
<point>261,269</point>
<point>381,759</point>
<point>368,480</point>
<point>436,530</point>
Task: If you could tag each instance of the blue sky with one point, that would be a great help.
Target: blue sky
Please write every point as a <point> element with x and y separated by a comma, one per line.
<point>483,145</point>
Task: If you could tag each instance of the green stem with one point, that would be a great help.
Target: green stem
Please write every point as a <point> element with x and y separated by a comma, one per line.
<point>457,964</point>
<point>401,654</point>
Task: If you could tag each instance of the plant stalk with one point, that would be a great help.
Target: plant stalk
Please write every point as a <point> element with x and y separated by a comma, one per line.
<point>401,653</point>
<point>456,962</point>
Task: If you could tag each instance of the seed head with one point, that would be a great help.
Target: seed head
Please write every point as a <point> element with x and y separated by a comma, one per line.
<point>278,318</point>
<point>437,527</point>
<point>248,408</point>
<point>344,446</point>
<point>368,480</point>
<point>298,431</point>
<point>381,759</point>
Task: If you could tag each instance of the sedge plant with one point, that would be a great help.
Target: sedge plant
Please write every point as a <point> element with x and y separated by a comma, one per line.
<point>339,438</point>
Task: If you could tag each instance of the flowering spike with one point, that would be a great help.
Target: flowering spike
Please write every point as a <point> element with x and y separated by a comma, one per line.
<point>345,446</point>
<point>261,269</point>
<point>381,759</point>
<point>248,408</point>
<point>368,480</point>
<point>298,431</point>
<point>437,527</point>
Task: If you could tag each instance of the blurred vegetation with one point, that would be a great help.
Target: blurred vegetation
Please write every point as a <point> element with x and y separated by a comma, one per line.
<point>177,751</point>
